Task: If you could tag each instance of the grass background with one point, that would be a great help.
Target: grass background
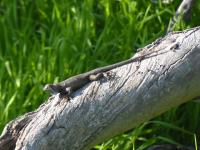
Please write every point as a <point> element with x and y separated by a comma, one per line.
<point>47,41</point>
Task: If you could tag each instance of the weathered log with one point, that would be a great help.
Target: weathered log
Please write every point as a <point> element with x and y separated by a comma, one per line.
<point>102,109</point>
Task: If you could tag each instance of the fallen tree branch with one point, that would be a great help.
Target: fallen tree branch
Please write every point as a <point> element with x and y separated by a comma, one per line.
<point>135,93</point>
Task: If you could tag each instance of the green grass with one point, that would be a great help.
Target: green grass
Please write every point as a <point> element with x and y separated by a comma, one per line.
<point>47,41</point>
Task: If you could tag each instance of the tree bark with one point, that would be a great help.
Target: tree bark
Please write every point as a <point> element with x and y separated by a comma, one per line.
<point>135,93</point>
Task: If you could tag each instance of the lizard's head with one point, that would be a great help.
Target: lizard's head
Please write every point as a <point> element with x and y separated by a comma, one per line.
<point>50,88</point>
<point>55,89</point>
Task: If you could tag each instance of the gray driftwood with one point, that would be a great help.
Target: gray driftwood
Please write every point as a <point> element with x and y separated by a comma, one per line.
<point>102,109</point>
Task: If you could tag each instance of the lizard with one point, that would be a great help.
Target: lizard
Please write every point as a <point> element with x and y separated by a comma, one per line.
<point>74,83</point>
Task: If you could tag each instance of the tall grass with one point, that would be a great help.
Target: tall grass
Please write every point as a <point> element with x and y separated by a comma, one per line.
<point>47,41</point>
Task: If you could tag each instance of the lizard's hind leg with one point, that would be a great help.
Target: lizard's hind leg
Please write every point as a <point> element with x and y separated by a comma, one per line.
<point>96,77</point>
<point>68,90</point>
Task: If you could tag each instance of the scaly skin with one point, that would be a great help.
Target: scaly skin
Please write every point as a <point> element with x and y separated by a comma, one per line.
<point>72,84</point>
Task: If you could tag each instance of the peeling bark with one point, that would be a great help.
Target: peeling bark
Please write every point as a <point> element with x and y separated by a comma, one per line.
<point>102,109</point>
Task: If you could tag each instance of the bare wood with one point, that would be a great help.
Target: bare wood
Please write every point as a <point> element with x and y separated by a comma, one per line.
<point>102,109</point>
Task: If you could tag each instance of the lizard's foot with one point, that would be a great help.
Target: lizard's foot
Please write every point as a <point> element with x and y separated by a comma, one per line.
<point>62,99</point>
<point>109,75</point>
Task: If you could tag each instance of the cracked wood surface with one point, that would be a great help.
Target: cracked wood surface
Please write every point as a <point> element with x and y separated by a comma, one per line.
<point>135,93</point>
